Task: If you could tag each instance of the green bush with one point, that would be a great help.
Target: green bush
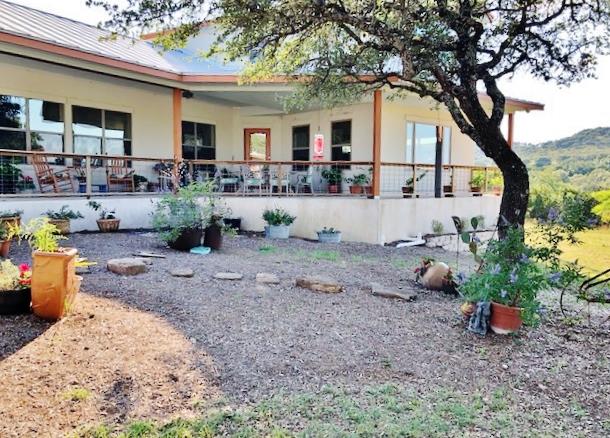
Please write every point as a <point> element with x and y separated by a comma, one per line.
<point>602,209</point>
<point>278,216</point>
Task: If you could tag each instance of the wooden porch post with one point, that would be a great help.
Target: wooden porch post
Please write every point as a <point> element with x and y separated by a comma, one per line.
<point>438,163</point>
<point>510,130</point>
<point>177,134</point>
<point>377,143</point>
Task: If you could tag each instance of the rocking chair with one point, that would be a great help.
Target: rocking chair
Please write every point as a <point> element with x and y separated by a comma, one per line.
<point>120,174</point>
<point>50,180</point>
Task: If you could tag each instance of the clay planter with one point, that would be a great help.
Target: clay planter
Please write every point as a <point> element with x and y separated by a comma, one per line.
<point>108,225</point>
<point>334,188</point>
<point>63,225</point>
<point>213,237</point>
<point>54,283</point>
<point>5,247</point>
<point>15,302</point>
<point>368,190</point>
<point>407,192</point>
<point>505,319</point>
<point>496,190</point>
<point>355,190</point>
<point>188,239</point>
<point>474,189</point>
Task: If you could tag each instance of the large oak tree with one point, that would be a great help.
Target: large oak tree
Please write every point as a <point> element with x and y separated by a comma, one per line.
<point>445,50</point>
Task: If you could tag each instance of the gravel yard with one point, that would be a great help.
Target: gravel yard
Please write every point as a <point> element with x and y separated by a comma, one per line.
<point>157,347</point>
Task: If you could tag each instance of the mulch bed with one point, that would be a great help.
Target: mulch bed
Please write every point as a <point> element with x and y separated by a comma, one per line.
<point>155,346</point>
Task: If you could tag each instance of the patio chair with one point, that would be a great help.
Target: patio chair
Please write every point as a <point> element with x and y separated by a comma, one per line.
<point>279,178</point>
<point>118,173</point>
<point>252,180</point>
<point>304,182</point>
<point>226,181</point>
<point>50,180</point>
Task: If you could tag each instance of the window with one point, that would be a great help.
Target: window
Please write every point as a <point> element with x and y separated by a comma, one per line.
<point>31,124</point>
<point>198,141</point>
<point>341,141</point>
<point>101,132</point>
<point>421,143</point>
<point>300,146</point>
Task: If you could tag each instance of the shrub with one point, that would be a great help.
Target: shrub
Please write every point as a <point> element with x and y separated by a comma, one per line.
<point>437,227</point>
<point>602,209</point>
<point>40,235</point>
<point>64,213</point>
<point>278,216</point>
<point>104,214</point>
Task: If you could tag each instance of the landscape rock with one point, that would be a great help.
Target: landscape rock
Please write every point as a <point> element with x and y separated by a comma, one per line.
<point>319,284</point>
<point>228,276</point>
<point>127,266</point>
<point>267,278</point>
<point>182,272</point>
<point>382,291</point>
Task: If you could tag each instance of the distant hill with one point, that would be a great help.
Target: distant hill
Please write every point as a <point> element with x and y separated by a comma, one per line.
<point>581,160</point>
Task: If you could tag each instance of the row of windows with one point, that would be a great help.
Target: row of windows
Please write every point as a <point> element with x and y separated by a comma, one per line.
<point>38,125</point>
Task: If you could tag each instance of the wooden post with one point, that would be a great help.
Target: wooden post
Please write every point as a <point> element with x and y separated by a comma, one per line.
<point>377,143</point>
<point>89,176</point>
<point>177,137</point>
<point>438,163</point>
<point>510,129</point>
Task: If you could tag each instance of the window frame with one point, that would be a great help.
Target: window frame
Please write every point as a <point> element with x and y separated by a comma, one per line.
<point>103,137</point>
<point>301,167</point>
<point>351,137</point>
<point>443,128</point>
<point>196,146</point>
<point>27,129</point>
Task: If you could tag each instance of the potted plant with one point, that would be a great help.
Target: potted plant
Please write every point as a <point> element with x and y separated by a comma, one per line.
<point>333,177</point>
<point>11,217</point>
<point>180,218</point>
<point>108,221</point>
<point>510,280</point>
<point>26,184</point>
<point>409,187</point>
<point>9,177</point>
<point>477,182</point>
<point>329,235</point>
<point>278,223</point>
<point>216,226</point>
<point>61,218</point>
<point>358,183</point>
<point>54,280</point>
<point>497,183</point>
<point>140,182</point>
<point>15,292</point>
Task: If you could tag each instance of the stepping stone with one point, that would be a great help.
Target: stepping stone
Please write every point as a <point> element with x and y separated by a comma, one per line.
<point>228,276</point>
<point>267,278</point>
<point>319,284</point>
<point>126,266</point>
<point>182,272</point>
<point>382,291</point>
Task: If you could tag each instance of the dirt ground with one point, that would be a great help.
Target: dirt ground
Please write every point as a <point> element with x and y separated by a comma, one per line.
<point>159,347</point>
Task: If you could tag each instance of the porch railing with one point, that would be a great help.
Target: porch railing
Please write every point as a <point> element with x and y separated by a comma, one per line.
<point>28,174</point>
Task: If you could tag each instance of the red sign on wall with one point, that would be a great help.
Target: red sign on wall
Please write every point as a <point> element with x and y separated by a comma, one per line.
<point>318,147</point>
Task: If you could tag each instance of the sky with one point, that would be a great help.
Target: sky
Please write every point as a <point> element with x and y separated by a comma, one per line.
<point>567,110</point>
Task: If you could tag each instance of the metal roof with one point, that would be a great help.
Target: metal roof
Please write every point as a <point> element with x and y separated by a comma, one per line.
<point>41,26</point>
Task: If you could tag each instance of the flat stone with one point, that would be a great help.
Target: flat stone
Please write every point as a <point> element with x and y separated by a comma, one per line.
<point>382,291</point>
<point>126,266</point>
<point>267,278</point>
<point>182,272</point>
<point>319,284</point>
<point>228,276</point>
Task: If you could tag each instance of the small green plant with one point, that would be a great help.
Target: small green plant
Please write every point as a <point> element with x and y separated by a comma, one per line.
<point>332,175</point>
<point>104,214</point>
<point>361,179</point>
<point>64,213</point>
<point>40,235</point>
<point>330,230</point>
<point>409,182</point>
<point>10,213</point>
<point>437,227</point>
<point>267,249</point>
<point>76,394</point>
<point>478,180</point>
<point>278,216</point>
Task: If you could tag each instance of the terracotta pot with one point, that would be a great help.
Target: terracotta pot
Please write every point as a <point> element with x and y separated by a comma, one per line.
<point>15,302</point>
<point>355,190</point>
<point>54,283</point>
<point>5,247</point>
<point>505,319</point>
<point>368,190</point>
<point>63,225</point>
<point>213,237</point>
<point>189,239</point>
<point>334,188</point>
<point>475,189</point>
<point>496,190</point>
<point>108,225</point>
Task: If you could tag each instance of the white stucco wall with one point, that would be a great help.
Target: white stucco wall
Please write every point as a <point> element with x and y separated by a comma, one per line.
<point>375,221</point>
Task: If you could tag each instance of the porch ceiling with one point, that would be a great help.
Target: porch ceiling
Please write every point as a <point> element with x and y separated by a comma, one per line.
<point>271,100</point>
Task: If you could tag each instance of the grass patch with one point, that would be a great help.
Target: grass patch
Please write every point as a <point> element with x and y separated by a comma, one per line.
<point>267,249</point>
<point>76,394</point>
<point>329,256</point>
<point>383,410</point>
<point>594,251</point>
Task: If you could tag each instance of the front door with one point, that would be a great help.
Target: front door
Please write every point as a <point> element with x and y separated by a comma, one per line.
<point>257,144</point>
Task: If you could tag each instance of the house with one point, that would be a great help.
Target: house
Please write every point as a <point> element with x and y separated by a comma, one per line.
<point>84,116</point>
